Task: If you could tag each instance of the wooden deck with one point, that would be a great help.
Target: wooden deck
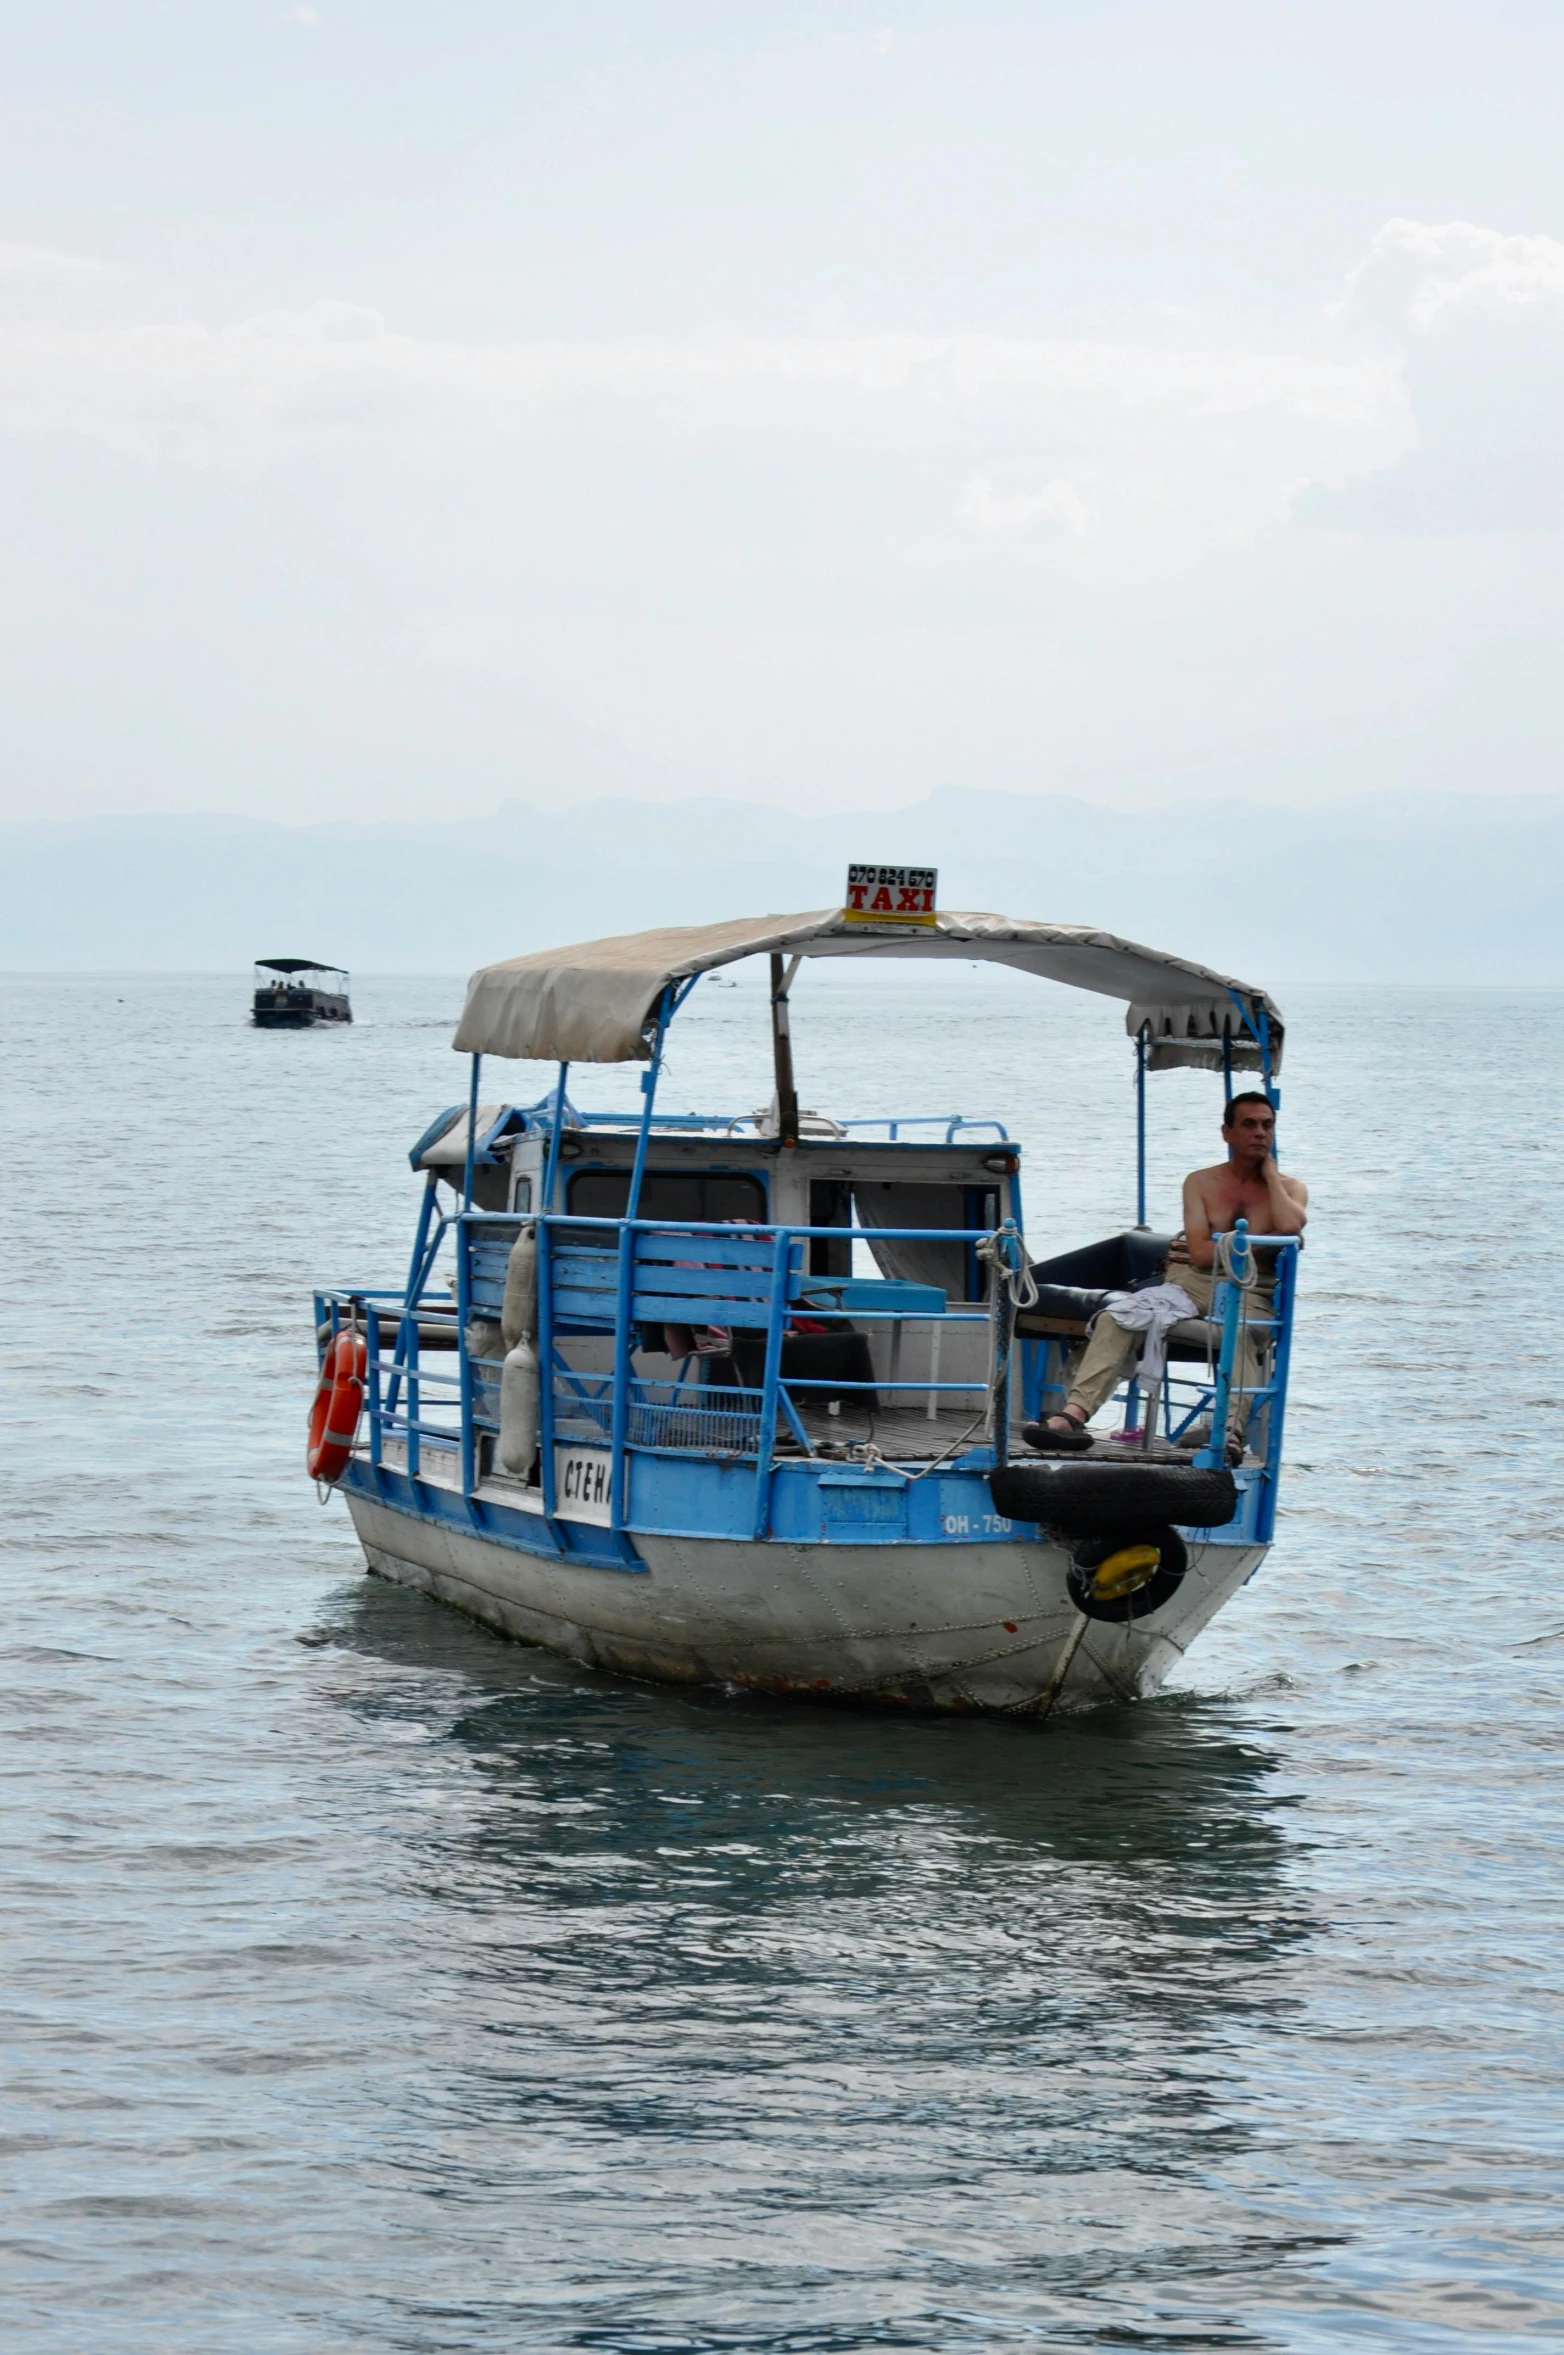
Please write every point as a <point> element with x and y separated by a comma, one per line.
<point>909,1434</point>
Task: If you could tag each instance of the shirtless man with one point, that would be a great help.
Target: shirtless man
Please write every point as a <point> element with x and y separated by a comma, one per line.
<point>1246,1185</point>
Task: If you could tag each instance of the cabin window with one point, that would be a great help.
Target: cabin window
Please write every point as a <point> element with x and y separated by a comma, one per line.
<point>490,1186</point>
<point>954,1266</point>
<point>522,1199</point>
<point>830,1205</point>
<point>704,1197</point>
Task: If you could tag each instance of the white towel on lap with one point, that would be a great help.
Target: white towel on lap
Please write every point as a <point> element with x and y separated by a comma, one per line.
<point>1153,1312</point>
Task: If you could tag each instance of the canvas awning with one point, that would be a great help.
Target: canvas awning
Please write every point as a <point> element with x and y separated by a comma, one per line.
<point>597,1002</point>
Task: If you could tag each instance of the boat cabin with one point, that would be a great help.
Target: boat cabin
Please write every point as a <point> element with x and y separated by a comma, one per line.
<point>915,1288</point>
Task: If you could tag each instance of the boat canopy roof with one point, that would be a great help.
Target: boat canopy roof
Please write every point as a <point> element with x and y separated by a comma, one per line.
<point>297,965</point>
<point>597,1002</point>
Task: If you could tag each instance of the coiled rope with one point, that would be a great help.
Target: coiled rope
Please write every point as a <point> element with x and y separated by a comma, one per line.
<point>1222,1263</point>
<point>1005,1249</point>
<point>1222,1266</point>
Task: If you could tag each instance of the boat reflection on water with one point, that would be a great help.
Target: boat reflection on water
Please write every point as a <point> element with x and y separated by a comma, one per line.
<point>770,1967</point>
<point>1174,1785</point>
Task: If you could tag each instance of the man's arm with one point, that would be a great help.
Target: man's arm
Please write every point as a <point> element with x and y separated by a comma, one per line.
<point>1289,1199</point>
<point>1198,1248</point>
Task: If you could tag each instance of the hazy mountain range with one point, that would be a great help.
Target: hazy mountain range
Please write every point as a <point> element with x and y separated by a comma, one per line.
<point>1379,887</point>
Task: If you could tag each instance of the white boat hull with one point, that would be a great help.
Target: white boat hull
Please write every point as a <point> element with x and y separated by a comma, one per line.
<point>974,1627</point>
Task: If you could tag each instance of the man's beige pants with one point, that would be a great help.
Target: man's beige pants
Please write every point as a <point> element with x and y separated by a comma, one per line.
<point>1110,1348</point>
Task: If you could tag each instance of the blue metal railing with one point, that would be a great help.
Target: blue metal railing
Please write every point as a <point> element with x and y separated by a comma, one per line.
<point>1208,1396</point>
<point>523,1118</point>
<point>724,1124</point>
<point>613,1277</point>
<point>374,1311</point>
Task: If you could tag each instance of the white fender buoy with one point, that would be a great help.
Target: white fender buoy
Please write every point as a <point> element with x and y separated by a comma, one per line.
<point>519,1315</point>
<point>519,1389</point>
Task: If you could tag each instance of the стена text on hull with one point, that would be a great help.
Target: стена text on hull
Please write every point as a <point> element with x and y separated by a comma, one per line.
<point>786,1402</point>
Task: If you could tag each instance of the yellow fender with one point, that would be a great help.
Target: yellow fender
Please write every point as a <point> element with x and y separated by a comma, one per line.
<point>1131,1567</point>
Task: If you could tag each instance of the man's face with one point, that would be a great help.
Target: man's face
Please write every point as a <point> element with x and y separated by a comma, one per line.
<point>1252,1132</point>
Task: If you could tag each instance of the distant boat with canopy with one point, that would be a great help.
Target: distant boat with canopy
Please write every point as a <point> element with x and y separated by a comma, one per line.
<point>740,1398</point>
<point>295,993</point>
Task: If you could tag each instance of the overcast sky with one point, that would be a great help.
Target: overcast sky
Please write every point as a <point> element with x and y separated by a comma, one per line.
<point>405,407</point>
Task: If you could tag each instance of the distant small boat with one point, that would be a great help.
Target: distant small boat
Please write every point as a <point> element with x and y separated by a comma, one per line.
<point>303,992</point>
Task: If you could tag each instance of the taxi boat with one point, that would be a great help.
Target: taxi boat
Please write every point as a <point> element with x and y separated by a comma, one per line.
<point>638,1400</point>
<point>295,993</point>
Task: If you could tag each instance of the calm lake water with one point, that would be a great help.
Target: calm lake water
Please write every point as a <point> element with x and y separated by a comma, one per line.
<point>370,1983</point>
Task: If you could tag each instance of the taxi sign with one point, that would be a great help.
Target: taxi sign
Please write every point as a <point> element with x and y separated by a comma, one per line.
<point>891,895</point>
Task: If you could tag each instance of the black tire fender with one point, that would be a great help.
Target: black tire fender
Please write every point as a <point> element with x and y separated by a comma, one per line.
<point>1114,1500</point>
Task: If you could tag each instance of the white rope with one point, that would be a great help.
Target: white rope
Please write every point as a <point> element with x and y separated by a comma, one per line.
<point>1005,1251</point>
<point>866,1453</point>
<point>1017,1274</point>
<point>1222,1263</point>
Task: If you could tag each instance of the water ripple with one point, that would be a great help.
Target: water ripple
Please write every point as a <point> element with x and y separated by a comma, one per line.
<point>370,1983</point>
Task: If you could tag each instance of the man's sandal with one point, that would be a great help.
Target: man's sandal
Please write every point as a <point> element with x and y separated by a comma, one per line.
<point>1056,1435</point>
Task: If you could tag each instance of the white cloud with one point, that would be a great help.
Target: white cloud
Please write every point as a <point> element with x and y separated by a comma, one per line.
<point>38,264</point>
<point>334,372</point>
<point>1060,502</point>
<point>1418,275</point>
<point>309,18</point>
<point>1475,317</point>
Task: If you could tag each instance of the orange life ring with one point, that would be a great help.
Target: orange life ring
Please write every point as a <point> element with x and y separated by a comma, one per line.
<point>338,1400</point>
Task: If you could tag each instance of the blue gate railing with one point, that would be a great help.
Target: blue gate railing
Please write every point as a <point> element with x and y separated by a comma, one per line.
<point>614,1280</point>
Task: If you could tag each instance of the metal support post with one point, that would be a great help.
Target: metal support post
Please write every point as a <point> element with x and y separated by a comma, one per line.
<point>551,1165</point>
<point>782,1051</point>
<point>372,1341</point>
<point>472,1132</point>
<point>1283,1299</point>
<point>417,1276</point>
<point>1140,1125</point>
<point>619,1410</point>
<point>649,1091</point>
<point>464,1361</point>
<point>546,1353</point>
<point>776,1327</point>
<point>1216,1452</point>
<point>1273,1093</point>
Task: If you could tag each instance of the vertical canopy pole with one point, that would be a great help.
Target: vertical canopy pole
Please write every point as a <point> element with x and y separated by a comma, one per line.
<point>551,1166</point>
<point>649,1089</point>
<point>1230,1291</point>
<point>1140,1126</point>
<point>1227,1066</point>
<point>1260,1032</point>
<point>782,1044</point>
<point>472,1132</point>
<point>416,1270</point>
<point>1273,1093</point>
